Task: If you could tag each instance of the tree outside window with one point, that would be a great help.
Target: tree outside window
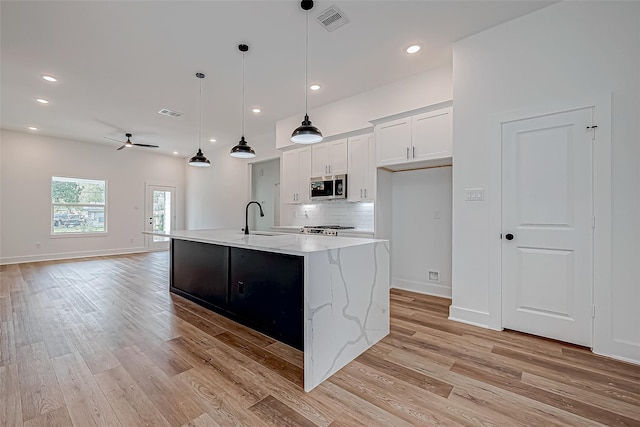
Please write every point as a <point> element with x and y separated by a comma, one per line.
<point>78,205</point>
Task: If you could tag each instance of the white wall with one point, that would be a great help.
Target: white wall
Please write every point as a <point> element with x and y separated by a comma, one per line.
<point>217,195</point>
<point>356,112</point>
<point>421,230</point>
<point>28,162</point>
<point>567,51</point>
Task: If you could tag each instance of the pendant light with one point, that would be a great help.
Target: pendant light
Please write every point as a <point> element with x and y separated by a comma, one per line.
<point>199,159</point>
<point>306,133</point>
<point>242,150</point>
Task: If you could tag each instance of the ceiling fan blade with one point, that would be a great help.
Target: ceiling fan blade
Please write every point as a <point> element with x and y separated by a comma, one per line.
<point>123,145</point>
<point>113,139</point>
<point>146,145</point>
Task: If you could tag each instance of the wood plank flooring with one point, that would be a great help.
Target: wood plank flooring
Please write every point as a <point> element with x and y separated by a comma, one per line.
<point>101,342</point>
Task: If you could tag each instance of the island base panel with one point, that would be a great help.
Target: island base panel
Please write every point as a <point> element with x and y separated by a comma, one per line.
<point>201,270</point>
<point>267,289</point>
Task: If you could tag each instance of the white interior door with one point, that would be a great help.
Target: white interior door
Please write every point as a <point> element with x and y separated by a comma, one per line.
<point>547,217</point>
<point>160,215</point>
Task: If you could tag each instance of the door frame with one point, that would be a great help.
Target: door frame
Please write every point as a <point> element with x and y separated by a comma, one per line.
<point>250,164</point>
<point>601,187</point>
<point>148,191</point>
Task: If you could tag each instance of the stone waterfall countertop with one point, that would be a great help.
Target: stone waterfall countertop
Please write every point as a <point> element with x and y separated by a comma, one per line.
<point>286,243</point>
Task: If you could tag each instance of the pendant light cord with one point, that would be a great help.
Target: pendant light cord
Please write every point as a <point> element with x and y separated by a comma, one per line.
<point>306,68</point>
<point>243,94</point>
<point>200,117</point>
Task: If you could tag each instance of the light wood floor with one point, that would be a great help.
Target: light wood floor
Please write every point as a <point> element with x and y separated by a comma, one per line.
<point>102,342</point>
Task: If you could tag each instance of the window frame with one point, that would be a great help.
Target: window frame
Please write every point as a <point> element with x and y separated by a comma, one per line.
<point>78,205</point>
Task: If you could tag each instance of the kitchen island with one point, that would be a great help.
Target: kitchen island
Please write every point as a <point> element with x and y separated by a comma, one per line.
<point>327,296</point>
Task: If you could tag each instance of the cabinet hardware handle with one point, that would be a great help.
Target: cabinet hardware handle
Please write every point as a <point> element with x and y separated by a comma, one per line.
<point>365,193</point>
<point>361,193</point>
<point>414,152</point>
<point>407,152</point>
<point>329,168</point>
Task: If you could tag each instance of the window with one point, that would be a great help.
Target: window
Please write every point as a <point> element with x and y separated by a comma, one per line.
<point>78,206</point>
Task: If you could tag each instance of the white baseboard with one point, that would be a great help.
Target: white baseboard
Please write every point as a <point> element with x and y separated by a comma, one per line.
<point>70,255</point>
<point>427,288</point>
<point>470,317</point>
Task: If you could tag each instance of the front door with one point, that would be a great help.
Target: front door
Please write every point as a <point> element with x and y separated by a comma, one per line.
<point>160,215</point>
<point>547,233</point>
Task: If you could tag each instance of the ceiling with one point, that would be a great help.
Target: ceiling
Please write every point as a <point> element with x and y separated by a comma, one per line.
<point>119,63</point>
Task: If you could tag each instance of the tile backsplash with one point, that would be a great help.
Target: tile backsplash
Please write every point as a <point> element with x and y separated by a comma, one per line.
<point>334,212</point>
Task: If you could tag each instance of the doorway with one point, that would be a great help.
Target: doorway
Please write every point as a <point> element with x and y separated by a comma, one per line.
<point>547,226</point>
<point>265,189</point>
<point>160,215</point>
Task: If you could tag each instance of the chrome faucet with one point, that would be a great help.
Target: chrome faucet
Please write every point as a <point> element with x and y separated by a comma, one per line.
<point>246,216</point>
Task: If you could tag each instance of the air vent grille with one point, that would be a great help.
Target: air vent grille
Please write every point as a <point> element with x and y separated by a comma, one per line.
<point>332,18</point>
<point>170,113</point>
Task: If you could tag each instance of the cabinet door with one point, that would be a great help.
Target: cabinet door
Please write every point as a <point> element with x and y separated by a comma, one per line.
<point>338,157</point>
<point>393,142</point>
<point>432,135</point>
<point>319,160</point>
<point>200,270</point>
<point>267,293</point>
<point>358,161</point>
<point>371,172</point>
<point>304,175</point>
<point>290,177</point>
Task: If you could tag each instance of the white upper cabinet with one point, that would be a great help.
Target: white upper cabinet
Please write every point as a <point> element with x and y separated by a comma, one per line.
<point>432,134</point>
<point>362,168</point>
<point>329,158</point>
<point>296,172</point>
<point>425,138</point>
<point>393,141</point>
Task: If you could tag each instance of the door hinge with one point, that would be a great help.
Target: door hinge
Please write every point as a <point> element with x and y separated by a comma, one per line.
<point>593,222</point>
<point>593,313</point>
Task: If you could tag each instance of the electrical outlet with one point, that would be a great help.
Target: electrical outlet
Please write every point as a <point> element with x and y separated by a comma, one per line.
<point>131,240</point>
<point>38,245</point>
<point>436,214</point>
<point>434,276</point>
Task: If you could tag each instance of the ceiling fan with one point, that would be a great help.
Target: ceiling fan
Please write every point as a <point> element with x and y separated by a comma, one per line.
<point>130,144</point>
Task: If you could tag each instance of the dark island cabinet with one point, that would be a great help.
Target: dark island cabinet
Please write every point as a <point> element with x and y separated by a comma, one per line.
<point>262,290</point>
<point>267,289</point>
<point>201,271</point>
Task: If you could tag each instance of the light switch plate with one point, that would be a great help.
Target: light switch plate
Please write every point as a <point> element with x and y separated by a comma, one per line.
<point>474,194</point>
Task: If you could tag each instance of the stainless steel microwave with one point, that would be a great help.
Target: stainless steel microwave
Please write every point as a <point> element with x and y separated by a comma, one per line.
<point>328,187</point>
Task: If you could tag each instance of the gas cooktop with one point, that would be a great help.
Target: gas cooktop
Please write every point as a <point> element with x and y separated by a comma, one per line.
<point>331,227</point>
<point>327,230</point>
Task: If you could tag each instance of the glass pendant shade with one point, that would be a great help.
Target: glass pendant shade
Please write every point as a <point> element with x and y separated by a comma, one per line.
<point>306,133</point>
<point>199,160</point>
<point>242,150</point>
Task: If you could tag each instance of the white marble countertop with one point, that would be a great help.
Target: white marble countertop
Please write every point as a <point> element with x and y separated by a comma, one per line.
<point>287,243</point>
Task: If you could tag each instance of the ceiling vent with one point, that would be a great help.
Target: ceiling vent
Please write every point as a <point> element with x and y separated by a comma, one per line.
<point>170,113</point>
<point>332,18</point>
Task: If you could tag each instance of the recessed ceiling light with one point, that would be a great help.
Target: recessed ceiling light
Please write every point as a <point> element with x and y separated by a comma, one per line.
<point>256,110</point>
<point>42,101</point>
<point>32,128</point>
<point>212,140</point>
<point>314,87</point>
<point>175,152</point>
<point>413,49</point>
<point>49,78</point>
